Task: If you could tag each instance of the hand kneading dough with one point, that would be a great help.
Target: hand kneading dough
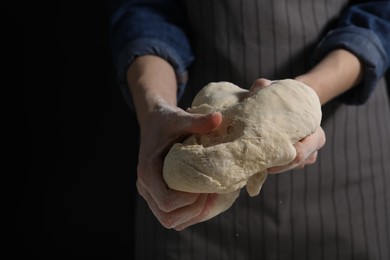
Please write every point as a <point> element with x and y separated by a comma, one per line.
<point>256,133</point>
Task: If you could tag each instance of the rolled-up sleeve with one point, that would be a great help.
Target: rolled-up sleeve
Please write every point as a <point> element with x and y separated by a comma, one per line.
<point>149,27</point>
<point>364,30</point>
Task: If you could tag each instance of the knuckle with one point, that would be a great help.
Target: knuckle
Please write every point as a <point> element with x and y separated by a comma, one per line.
<point>312,159</point>
<point>167,204</point>
<point>299,158</point>
<point>322,142</point>
<point>259,81</point>
<point>322,139</point>
<point>140,188</point>
<point>167,221</point>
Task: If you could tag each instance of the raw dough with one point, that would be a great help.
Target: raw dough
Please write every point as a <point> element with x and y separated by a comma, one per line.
<point>256,133</point>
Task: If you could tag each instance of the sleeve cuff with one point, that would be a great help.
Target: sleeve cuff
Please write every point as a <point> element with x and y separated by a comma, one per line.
<point>368,48</point>
<point>148,46</point>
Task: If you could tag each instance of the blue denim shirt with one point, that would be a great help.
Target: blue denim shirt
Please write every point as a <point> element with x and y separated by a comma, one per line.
<point>158,27</point>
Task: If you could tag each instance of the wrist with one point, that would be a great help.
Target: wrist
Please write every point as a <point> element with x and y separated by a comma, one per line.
<point>152,83</point>
<point>339,71</point>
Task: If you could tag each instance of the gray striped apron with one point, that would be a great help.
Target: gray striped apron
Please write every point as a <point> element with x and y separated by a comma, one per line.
<point>338,208</point>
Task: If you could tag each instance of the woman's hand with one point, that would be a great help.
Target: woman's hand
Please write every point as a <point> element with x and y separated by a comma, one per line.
<point>163,127</point>
<point>257,85</point>
<point>307,148</point>
<point>152,83</point>
<point>307,151</point>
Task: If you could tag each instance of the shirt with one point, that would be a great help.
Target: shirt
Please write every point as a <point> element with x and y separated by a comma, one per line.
<point>159,27</point>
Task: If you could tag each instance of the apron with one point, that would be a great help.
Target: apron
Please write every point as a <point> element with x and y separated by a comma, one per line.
<point>338,208</point>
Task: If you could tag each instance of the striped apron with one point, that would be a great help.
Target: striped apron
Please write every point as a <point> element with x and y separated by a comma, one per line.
<point>338,208</point>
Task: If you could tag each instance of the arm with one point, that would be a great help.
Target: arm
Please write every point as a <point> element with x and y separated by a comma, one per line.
<point>338,72</point>
<point>362,36</point>
<point>350,60</point>
<point>151,53</point>
<point>153,84</point>
<point>145,76</point>
<point>149,27</point>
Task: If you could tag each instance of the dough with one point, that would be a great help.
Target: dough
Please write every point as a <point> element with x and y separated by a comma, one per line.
<point>256,133</point>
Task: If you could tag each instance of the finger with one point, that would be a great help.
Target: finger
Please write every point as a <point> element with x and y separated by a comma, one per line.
<point>211,198</point>
<point>176,217</point>
<point>311,159</point>
<point>312,143</point>
<point>202,124</point>
<point>280,169</point>
<point>300,160</point>
<point>306,149</point>
<point>257,85</point>
<point>166,199</point>
<point>260,84</point>
<point>308,146</point>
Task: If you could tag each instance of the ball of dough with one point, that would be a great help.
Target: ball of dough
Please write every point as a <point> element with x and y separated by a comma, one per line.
<point>256,133</point>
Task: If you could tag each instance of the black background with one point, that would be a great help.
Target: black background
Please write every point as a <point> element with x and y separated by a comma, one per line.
<point>77,139</point>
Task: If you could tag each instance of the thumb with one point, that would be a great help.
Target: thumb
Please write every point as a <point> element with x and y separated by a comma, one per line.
<point>257,85</point>
<point>260,84</point>
<point>202,124</point>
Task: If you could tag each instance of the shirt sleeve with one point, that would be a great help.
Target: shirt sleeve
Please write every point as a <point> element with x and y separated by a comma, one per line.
<point>364,30</point>
<point>149,27</point>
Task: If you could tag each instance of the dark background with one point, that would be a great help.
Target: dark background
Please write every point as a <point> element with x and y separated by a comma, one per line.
<point>74,178</point>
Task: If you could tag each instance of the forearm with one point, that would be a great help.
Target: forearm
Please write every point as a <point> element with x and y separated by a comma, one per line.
<point>339,71</point>
<point>152,82</point>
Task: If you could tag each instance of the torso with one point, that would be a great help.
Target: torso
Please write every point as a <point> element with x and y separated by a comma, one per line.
<point>335,209</point>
